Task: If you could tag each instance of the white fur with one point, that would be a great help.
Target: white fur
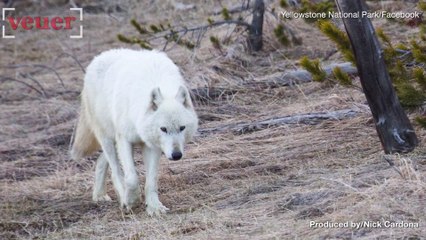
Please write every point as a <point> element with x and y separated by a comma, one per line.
<point>129,97</point>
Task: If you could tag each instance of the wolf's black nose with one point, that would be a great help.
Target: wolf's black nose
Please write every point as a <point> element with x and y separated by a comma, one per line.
<point>176,155</point>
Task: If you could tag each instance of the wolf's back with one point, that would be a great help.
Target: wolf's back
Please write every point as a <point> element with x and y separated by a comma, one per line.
<point>84,140</point>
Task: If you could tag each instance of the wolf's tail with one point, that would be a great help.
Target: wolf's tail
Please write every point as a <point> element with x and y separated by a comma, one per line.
<point>85,141</point>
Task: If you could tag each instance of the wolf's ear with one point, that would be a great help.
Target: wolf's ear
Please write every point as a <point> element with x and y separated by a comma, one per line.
<point>183,97</point>
<point>156,98</point>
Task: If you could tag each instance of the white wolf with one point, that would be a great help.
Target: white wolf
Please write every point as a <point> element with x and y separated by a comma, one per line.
<point>133,97</point>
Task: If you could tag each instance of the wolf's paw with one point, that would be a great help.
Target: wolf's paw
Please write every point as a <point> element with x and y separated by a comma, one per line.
<point>131,199</point>
<point>156,209</point>
<point>101,198</point>
<point>153,204</point>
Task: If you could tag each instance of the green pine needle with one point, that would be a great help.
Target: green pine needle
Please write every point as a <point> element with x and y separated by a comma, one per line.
<point>186,43</point>
<point>401,46</point>
<point>225,14</point>
<point>419,55</point>
<point>283,3</point>
<point>210,21</point>
<point>419,76</point>
<point>342,77</point>
<point>215,42</point>
<point>154,28</point>
<point>421,121</point>
<point>280,34</point>
<point>338,37</point>
<point>409,96</point>
<point>321,7</point>
<point>313,67</point>
<point>145,45</point>
<point>124,39</point>
<point>385,38</point>
<point>422,6</point>
<point>138,27</point>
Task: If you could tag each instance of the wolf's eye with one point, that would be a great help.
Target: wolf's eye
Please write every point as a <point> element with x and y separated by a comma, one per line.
<point>163,129</point>
<point>182,128</point>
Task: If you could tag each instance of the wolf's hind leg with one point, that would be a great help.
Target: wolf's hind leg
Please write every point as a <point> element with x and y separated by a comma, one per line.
<point>108,147</point>
<point>99,189</point>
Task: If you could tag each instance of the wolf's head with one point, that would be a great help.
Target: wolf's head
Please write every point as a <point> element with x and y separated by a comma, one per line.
<point>170,123</point>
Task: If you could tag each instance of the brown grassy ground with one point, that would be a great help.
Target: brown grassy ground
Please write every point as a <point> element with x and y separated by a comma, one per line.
<point>266,184</point>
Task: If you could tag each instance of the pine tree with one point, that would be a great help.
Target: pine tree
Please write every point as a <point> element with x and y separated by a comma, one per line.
<point>405,63</point>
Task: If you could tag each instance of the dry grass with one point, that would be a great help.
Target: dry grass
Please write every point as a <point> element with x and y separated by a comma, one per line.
<point>266,184</point>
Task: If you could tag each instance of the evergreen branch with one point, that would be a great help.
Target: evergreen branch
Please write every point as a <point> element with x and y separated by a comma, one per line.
<point>138,27</point>
<point>342,77</point>
<point>283,3</point>
<point>339,37</point>
<point>281,36</point>
<point>226,14</point>
<point>385,38</point>
<point>313,67</point>
<point>420,77</point>
<point>422,6</point>
<point>233,10</point>
<point>421,121</point>
<point>200,28</point>
<point>409,96</point>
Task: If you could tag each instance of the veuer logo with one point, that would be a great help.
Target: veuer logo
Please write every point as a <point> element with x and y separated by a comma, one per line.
<point>42,23</point>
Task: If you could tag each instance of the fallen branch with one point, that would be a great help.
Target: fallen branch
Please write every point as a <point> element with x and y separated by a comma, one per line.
<point>306,118</point>
<point>297,76</point>
<point>290,78</point>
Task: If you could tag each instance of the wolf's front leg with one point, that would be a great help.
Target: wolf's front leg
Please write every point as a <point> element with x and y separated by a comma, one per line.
<point>153,204</point>
<point>132,192</point>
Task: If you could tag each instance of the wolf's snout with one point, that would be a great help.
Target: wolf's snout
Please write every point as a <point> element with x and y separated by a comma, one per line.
<point>176,156</point>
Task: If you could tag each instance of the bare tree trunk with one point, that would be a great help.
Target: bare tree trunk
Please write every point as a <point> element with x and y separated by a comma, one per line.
<point>256,28</point>
<point>392,124</point>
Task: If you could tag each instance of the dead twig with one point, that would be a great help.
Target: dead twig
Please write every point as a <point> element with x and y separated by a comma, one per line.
<point>5,79</point>
<point>392,164</point>
<point>210,93</point>
<point>30,77</point>
<point>38,66</point>
<point>185,30</point>
<point>65,54</point>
